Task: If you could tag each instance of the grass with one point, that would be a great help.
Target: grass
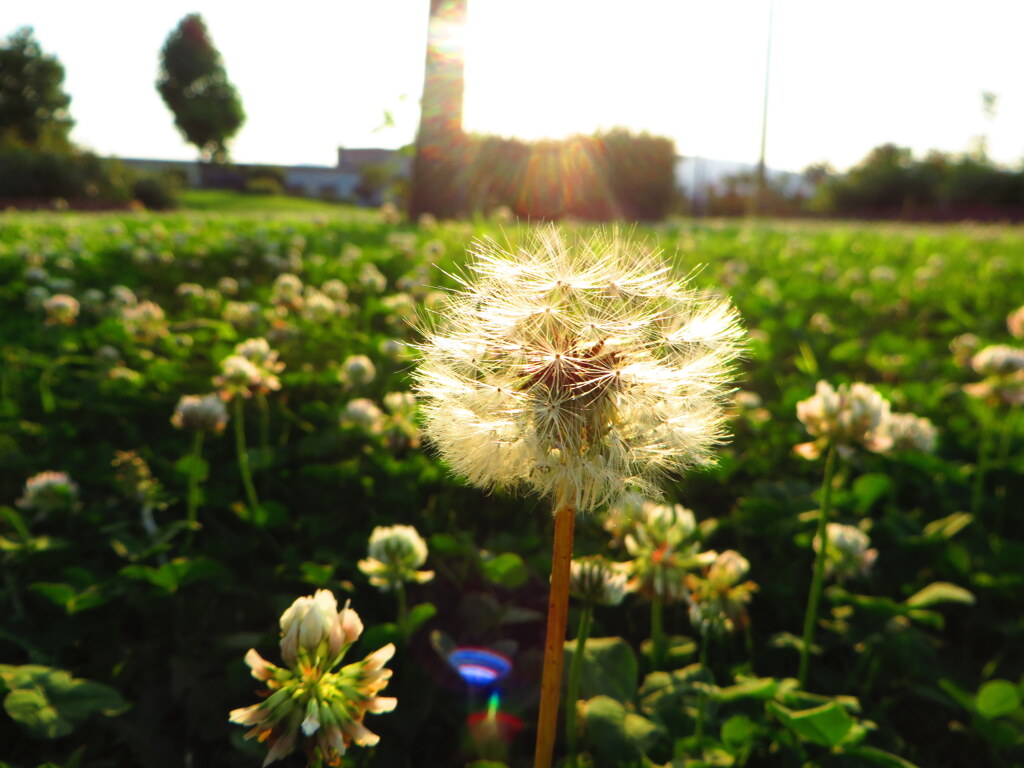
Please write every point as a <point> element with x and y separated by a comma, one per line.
<point>238,202</point>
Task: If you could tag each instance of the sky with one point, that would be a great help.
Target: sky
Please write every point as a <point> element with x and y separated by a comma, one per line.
<point>313,75</point>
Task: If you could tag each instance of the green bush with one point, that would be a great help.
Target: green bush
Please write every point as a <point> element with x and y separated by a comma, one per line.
<point>29,173</point>
<point>157,193</point>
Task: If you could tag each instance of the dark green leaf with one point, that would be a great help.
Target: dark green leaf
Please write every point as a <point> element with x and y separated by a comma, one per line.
<point>418,615</point>
<point>609,668</point>
<point>506,570</point>
<point>828,725</point>
<point>940,592</point>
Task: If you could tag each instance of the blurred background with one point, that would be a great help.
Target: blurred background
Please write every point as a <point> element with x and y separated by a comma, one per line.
<point>570,108</point>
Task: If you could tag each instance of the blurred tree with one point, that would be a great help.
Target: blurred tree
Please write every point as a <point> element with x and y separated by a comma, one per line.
<point>195,87</point>
<point>33,105</point>
<point>438,178</point>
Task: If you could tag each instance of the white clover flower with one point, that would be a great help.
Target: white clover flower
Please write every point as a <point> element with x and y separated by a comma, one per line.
<point>61,309</point>
<point>598,581</point>
<point>1003,369</point>
<point>664,548</point>
<point>963,348</point>
<point>228,286</point>
<point>363,413</point>
<point>718,599</point>
<point>357,371</point>
<point>318,307</point>
<point>200,413</point>
<point>371,279</point>
<point>242,314</point>
<point>575,369</point>
<point>122,296</point>
<point>259,352</point>
<point>395,552</point>
<point>189,290</point>
<point>287,290</point>
<point>426,221</point>
<point>145,321</point>
<point>49,491</point>
<point>335,289</point>
<point>847,553</point>
<point>310,621</point>
<point>908,432</point>
<point>850,415</point>
<point>238,376</point>
<point>998,360</point>
<point>400,402</point>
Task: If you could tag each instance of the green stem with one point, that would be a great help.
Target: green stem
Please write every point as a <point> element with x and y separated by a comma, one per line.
<point>403,610</point>
<point>573,692</point>
<point>12,590</point>
<point>261,401</point>
<point>982,466</point>
<point>657,632</point>
<point>243,457</point>
<point>818,580</point>
<point>193,484</point>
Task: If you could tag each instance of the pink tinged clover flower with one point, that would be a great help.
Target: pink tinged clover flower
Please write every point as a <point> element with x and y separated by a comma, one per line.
<point>311,694</point>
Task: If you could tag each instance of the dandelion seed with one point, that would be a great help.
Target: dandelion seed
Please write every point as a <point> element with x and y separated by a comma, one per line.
<point>574,370</point>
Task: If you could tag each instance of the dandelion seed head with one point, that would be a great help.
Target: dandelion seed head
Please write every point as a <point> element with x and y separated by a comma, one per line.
<point>569,368</point>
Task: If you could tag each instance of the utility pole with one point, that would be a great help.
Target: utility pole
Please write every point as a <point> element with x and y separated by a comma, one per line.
<point>760,201</point>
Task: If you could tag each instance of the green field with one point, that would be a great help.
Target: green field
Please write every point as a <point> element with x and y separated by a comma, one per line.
<point>154,573</point>
<point>225,201</point>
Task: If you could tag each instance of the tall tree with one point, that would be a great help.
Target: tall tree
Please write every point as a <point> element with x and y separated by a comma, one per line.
<point>438,178</point>
<point>195,87</point>
<point>33,105</point>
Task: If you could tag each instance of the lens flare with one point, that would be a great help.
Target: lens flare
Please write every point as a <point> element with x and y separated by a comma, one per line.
<point>479,666</point>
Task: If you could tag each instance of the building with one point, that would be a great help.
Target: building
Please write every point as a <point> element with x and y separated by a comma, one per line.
<point>362,176</point>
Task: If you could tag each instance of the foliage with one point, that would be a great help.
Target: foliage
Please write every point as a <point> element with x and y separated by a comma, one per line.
<point>71,174</point>
<point>891,183</point>
<point>195,86</point>
<point>610,175</point>
<point>33,104</point>
<point>156,192</point>
<point>119,596</point>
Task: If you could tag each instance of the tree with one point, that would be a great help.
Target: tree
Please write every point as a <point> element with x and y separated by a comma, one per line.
<point>439,174</point>
<point>195,87</point>
<point>33,105</point>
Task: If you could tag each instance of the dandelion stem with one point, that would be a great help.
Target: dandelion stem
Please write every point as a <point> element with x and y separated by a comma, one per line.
<point>243,457</point>
<point>193,483</point>
<point>818,579</point>
<point>657,632</point>
<point>554,644</point>
<point>573,691</point>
